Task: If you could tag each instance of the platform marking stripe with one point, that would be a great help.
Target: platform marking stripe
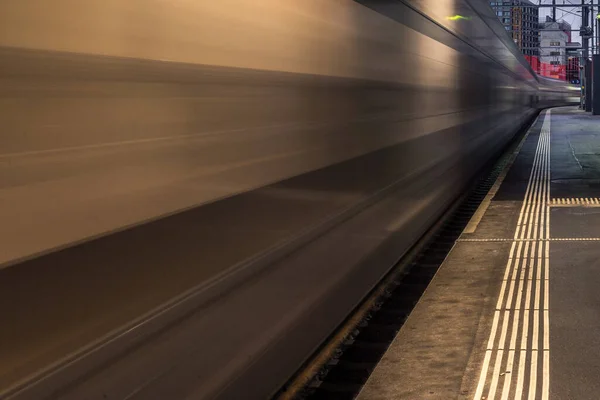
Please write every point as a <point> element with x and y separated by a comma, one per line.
<point>522,279</point>
<point>546,268</point>
<point>523,355</point>
<point>575,202</point>
<point>494,329</point>
<point>525,225</point>
<point>499,353</point>
<point>527,305</point>
<point>543,286</point>
<point>536,312</point>
<point>511,357</point>
<point>512,269</point>
<point>511,262</point>
<point>591,239</point>
<point>525,286</point>
<point>533,375</point>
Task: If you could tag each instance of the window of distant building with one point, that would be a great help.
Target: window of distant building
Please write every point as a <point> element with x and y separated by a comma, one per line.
<point>555,53</point>
<point>554,62</point>
<point>554,43</point>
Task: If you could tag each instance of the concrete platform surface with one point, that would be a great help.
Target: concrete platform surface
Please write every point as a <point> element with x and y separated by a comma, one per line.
<point>514,311</point>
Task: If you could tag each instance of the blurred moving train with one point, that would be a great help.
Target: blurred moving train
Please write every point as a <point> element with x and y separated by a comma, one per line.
<point>194,194</point>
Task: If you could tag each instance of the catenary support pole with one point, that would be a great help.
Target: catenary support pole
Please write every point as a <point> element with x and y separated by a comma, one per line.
<point>596,85</point>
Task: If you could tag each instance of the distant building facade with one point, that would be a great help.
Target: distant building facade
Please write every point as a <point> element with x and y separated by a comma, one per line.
<point>553,44</point>
<point>521,23</point>
<point>565,27</point>
<point>546,46</point>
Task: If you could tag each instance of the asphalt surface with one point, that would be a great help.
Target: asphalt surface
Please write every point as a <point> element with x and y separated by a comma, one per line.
<point>575,266</point>
<point>439,352</point>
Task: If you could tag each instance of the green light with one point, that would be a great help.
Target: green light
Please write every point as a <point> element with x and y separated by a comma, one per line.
<point>598,16</point>
<point>458,17</point>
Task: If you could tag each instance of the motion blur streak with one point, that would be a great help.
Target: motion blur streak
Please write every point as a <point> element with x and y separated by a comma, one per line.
<point>87,136</point>
<point>304,144</point>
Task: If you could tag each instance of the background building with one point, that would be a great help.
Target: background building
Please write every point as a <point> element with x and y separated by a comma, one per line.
<point>546,45</point>
<point>520,22</point>
<point>553,43</point>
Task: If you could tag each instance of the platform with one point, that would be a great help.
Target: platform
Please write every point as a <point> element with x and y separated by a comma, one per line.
<point>514,311</point>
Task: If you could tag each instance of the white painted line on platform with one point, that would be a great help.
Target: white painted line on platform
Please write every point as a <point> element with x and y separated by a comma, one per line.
<point>511,356</point>
<point>588,239</point>
<point>546,376</point>
<point>526,272</point>
<point>494,329</point>
<point>523,356</point>
<point>575,202</point>
<point>535,329</point>
<point>499,355</point>
<point>533,372</point>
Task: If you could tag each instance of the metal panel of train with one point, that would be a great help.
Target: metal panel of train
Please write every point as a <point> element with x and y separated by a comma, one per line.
<point>194,194</point>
